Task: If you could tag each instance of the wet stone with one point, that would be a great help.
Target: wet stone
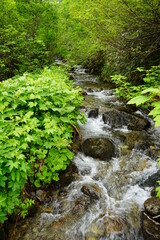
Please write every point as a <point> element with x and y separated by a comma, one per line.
<point>67,176</point>
<point>80,205</point>
<point>94,232</point>
<point>152,206</point>
<point>101,148</point>
<point>151,231</point>
<point>113,226</point>
<point>40,195</point>
<point>133,139</point>
<point>90,90</point>
<point>93,113</point>
<point>151,181</point>
<point>92,191</point>
<point>91,238</point>
<point>116,119</point>
<point>84,93</point>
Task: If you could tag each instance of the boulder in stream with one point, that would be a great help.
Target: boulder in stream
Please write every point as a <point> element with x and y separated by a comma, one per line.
<point>80,205</point>
<point>115,226</point>
<point>151,231</point>
<point>151,221</point>
<point>116,119</point>
<point>93,191</point>
<point>101,148</point>
<point>151,181</point>
<point>40,195</point>
<point>152,206</point>
<point>93,113</point>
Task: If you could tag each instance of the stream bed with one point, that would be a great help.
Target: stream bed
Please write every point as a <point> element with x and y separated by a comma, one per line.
<point>100,199</point>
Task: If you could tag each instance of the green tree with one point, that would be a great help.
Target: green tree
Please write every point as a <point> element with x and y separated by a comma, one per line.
<point>28,31</point>
<point>126,31</point>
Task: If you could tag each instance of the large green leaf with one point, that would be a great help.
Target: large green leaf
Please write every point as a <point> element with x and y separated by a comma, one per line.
<point>156,91</point>
<point>138,100</point>
<point>157,120</point>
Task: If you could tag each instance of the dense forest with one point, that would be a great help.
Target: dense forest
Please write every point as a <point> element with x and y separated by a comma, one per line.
<point>111,37</point>
<point>117,39</point>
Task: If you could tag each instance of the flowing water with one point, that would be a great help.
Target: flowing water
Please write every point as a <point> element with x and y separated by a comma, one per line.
<point>113,211</point>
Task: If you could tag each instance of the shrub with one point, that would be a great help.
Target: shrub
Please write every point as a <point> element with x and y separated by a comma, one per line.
<point>37,115</point>
<point>150,93</point>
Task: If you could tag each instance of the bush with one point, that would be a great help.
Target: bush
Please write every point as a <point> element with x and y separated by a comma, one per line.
<point>150,93</point>
<point>37,116</point>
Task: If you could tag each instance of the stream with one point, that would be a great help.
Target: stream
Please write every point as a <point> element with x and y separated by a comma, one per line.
<point>104,199</point>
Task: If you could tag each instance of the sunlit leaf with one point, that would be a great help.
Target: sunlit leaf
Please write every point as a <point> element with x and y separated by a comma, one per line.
<point>138,100</point>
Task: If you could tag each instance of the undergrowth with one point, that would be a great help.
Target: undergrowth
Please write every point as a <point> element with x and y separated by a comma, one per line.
<point>37,115</point>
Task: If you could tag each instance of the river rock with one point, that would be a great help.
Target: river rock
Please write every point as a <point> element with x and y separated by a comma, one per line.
<point>80,205</point>
<point>92,191</point>
<point>67,176</point>
<point>93,113</point>
<point>101,148</point>
<point>113,226</point>
<point>151,181</point>
<point>152,206</point>
<point>91,238</point>
<point>94,232</point>
<point>133,139</point>
<point>84,93</point>
<point>151,231</point>
<point>116,119</point>
<point>40,195</point>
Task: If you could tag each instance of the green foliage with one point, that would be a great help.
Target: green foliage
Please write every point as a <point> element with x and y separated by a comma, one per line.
<point>126,31</point>
<point>123,85</point>
<point>37,113</point>
<point>25,206</point>
<point>76,40</point>
<point>150,93</point>
<point>33,33</point>
<point>145,95</point>
<point>27,36</point>
<point>138,100</point>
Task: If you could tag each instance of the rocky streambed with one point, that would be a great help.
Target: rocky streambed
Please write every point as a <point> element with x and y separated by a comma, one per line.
<point>101,196</point>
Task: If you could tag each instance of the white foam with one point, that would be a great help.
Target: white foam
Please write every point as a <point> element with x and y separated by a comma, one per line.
<point>104,95</point>
<point>86,165</point>
<point>135,194</point>
<point>93,127</point>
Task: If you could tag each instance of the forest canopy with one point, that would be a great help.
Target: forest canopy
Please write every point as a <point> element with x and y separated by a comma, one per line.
<point>113,36</point>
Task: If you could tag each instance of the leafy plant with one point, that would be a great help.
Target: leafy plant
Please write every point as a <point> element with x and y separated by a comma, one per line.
<point>37,115</point>
<point>145,95</point>
<point>122,84</point>
<point>150,93</point>
<point>25,206</point>
<point>124,88</point>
